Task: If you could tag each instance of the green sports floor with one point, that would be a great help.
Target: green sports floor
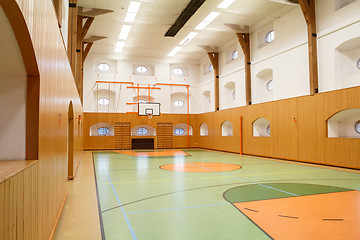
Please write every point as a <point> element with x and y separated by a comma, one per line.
<point>201,194</point>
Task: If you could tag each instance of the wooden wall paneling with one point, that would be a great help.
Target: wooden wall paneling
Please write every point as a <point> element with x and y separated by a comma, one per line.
<point>2,210</point>
<point>57,88</point>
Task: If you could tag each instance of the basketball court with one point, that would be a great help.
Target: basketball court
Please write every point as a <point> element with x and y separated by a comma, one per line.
<point>200,194</point>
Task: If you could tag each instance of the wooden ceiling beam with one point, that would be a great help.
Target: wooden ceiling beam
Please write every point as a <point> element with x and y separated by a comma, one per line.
<point>86,26</point>
<point>86,50</point>
<point>244,40</point>
<point>93,12</point>
<point>309,12</point>
<point>214,59</point>
<point>93,39</point>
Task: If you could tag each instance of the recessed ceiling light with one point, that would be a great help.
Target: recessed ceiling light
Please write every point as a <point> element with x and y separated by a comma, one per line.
<point>132,10</point>
<point>119,46</point>
<point>124,32</point>
<point>207,20</point>
<point>188,38</point>
<point>174,51</point>
<point>134,7</point>
<point>225,4</point>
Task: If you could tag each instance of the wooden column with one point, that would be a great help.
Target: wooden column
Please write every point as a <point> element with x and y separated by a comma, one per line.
<point>308,9</point>
<point>244,40</point>
<point>83,45</point>
<point>214,59</point>
<point>58,10</point>
<point>72,34</point>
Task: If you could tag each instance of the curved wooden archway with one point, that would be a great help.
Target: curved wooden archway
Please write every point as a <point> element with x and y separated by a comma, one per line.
<point>22,35</point>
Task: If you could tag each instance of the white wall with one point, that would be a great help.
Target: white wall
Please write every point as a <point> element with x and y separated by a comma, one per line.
<point>122,71</point>
<point>13,84</point>
<point>287,57</point>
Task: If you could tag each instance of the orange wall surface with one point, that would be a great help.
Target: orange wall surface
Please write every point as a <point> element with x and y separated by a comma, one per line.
<point>48,185</point>
<point>298,129</point>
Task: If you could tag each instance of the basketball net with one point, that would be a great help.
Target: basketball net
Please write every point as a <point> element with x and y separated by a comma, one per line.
<point>149,115</point>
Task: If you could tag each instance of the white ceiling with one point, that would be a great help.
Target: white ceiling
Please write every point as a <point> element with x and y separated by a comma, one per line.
<point>146,39</point>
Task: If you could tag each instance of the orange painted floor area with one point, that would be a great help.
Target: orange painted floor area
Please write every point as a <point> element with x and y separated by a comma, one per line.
<point>322,216</point>
<point>158,153</point>
<point>200,167</point>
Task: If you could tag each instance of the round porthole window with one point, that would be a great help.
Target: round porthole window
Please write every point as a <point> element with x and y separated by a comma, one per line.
<point>270,36</point>
<point>103,131</point>
<point>103,101</point>
<point>141,69</point>
<point>211,68</point>
<point>142,131</point>
<point>104,66</point>
<point>357,127</point>
<point>268,130</point>
<point>178,103</point>
<point>234,55</point>
<point>270,85</point>
<point>179,131</point>
<point>177,71</point>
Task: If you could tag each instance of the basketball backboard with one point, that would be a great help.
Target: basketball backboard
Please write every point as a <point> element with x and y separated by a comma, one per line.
<point>149,108</point>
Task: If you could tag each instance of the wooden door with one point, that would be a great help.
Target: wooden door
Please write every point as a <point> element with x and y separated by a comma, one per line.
<point>122,135</point>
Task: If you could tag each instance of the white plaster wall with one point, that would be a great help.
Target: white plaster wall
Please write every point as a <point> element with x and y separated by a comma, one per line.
<point>122,71</point>
<point>13,84</point>
<point>328,19</point>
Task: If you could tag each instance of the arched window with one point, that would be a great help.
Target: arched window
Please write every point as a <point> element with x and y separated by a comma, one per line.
<point>204,129</point>
<point>104,67</point>
<point>211,68</point>
<point>270,85</point>
<point>344,124</point>
<point>261,128</point>
<point>270,36</point>
<point>142,131</point>
<point>179,131</point>
<point>103,131</point>
<point>141,69</point>
<point>357,127</point>
<point>103,101</point>
<point>178,103</point>
<point>177,71</point>
<point>234,55</point>
<point>227,129</point>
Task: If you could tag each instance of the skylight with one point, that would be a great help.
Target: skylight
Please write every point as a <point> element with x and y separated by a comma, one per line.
<point>124,32</point>
<point>225,4</point>
<point>119,46</point>
<point>174,51</point>
<point>132,11</point>
<point>207,20</point>
<point>188,38</point>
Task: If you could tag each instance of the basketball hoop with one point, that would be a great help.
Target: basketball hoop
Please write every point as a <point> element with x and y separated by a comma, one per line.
<point>149,115</point>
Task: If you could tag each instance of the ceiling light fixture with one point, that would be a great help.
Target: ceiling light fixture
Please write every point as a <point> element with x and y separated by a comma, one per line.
<point>174,51</point>
<point>207,20</point>
<point>124,32</point>
<point>119,46</point>
<point>225,4</point>
<point>132,11</point>
<point>188,38</point>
